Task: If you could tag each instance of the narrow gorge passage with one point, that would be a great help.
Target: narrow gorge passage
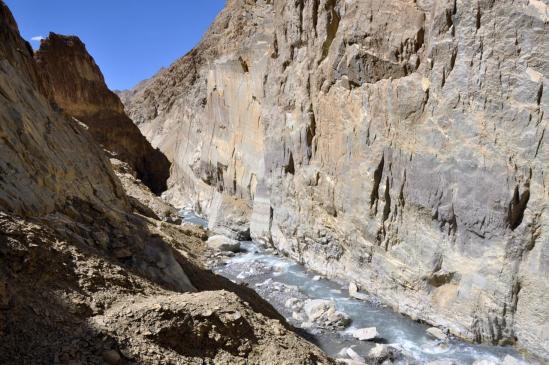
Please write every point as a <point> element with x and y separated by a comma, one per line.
<point>274,182</point>
<point>285,284</point>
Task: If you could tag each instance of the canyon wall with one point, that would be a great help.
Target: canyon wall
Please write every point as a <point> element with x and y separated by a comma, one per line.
<point>75,83</point>
<point>51,169</point>
<point>398,144</point>
<point>83,279</point>
<point>47,161</point>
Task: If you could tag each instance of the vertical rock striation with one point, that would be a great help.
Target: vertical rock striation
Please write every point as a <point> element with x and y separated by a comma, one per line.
<point>400,144</point>
<point>75,83</point>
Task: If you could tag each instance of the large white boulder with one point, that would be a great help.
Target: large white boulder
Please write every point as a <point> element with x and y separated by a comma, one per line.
<point>365,334</point>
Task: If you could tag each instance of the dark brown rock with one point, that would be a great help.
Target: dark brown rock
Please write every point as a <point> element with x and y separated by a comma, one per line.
<point>75,83</point>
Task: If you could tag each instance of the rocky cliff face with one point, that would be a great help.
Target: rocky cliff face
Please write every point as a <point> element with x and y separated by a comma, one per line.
<point>398,144</point>
<point>52,171</point>
<point>47,161</point>
<point>75,83</point>
<point>84,280</point>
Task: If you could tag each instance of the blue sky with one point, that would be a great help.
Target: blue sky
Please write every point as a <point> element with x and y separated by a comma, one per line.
<point>129,39</point>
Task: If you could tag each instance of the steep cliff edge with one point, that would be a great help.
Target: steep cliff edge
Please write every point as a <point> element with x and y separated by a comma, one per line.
<point>398,144</point>
<point>83,280</point>
<point>75,83</point>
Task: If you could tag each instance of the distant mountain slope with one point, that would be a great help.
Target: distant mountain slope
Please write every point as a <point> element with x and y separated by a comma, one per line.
<point>75,83</point>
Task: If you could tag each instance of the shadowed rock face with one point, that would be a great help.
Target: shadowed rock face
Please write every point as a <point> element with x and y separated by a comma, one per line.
<point>75,83</point>
<point>398,144</point>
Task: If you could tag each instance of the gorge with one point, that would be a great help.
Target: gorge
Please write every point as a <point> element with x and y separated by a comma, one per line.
<point>396,148</point>
<point>398,144</point>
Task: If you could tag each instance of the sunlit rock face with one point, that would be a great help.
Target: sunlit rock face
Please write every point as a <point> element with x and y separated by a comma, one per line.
<point>399,144</point>
<point>48,162</point>
<point>75,84</point>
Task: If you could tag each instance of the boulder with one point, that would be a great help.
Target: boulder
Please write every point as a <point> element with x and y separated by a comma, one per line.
<point>355,356</point>
<point>294,304</point>
<point>379,353</point>
<point>316,308</point>
<point>353,288</point>
<point>223,243</point>
<point>365,334</point>
<point>437,333</point>
<point>298,316</point>
<point>323,313</point>
<point>354,291</point>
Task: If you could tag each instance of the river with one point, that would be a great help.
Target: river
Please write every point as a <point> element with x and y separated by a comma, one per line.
<point>278,280</point>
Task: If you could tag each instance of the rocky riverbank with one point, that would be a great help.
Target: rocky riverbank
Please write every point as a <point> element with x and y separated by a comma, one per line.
<point>349,329</point>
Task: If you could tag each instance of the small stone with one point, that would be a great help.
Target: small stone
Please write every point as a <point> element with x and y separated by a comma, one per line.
<point>278,330</point>
<point>437,333</point>
<point>207,313</point>
<point>365,334</point>
<point>317,277</point>
<point>111,357</point>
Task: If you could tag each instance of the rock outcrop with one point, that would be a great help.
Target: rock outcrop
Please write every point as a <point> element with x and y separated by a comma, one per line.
<point>398,144</point>
<point>47,161</point>
<point>84,280</point>
<point>75,83</point>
